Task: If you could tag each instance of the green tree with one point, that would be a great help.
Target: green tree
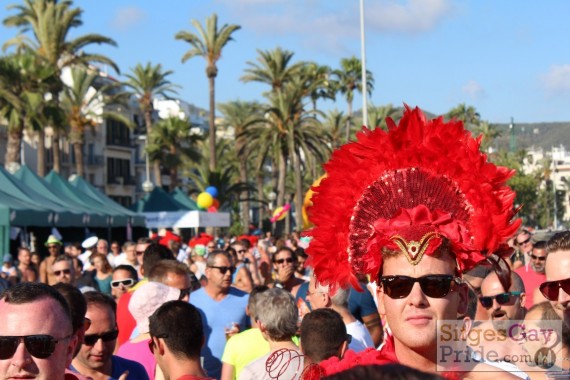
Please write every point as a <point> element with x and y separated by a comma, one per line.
<point>172,143</point>
<point>273,67</point>
<point>51,23</point>
<point>85,105</point>
<point>208,43</point>
<point>148,82</point>
<point>488,133</point>
<point>241,115</point>
<point>467,114</point>
<point>378,115</point>
<point>349,80</point>
<point>334,124</point>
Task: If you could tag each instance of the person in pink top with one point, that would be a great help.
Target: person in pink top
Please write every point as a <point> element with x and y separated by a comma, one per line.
<point>532,273</point>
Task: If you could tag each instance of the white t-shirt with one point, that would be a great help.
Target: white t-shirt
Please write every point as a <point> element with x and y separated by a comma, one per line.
<point>361,338</point>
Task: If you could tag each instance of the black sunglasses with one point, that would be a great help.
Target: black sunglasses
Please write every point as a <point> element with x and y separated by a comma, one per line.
<point>223,270</point>
<point>63,271</point>
<point>39,346</point>
<point>551,289</point>
<point>501,299</point>
<point>539,258</point>
<point>128,282</point>
<point>433,285</point>
<point>91,339</point>
<point>288,259</point>
<point>242,251</point>
<point>152,345</point>
<point>523,242</point>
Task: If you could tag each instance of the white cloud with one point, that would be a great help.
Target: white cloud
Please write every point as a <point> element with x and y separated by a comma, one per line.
<point>411,16</point>
<point>474,90</point>
<point>127,17</point>
<point>556,80</point>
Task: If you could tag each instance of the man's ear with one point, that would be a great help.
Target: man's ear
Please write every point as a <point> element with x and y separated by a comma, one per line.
<point>342,349</point>
<point>247,311</point>
<point>523,299</point>
<point>463,292</point>
<point>73,342</point>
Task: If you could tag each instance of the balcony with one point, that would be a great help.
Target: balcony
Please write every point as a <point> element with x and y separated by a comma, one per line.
<point>94,160</point>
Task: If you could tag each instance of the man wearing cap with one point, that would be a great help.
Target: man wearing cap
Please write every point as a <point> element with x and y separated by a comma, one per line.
<point>90,246</point>
<point>413,208</point>
<point>53,245</point>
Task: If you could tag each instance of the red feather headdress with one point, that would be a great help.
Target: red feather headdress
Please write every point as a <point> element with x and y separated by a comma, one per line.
<point>406,189</point>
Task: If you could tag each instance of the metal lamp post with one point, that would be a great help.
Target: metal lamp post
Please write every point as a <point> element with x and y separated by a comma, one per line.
<point>147,185</point>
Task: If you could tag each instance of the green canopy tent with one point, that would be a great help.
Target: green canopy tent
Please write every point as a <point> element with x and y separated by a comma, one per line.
<point>121,216</point>
<point>179,196</point>
<point>97,217</point>
<point>159,208</point>
<point>62,217</point>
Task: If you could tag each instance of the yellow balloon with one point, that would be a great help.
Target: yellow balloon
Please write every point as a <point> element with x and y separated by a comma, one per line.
<point>204,200</point>
<point>307,203</point>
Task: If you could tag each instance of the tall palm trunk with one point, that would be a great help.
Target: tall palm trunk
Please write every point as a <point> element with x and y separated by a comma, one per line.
<point>212,137</point>
<point>56,151</point>
<point>41,165</point>
<point>298,181</point>
<point>259,186</point>
<point>173,172</point>
<point>155,164</point>
<point>281,179</point>
<point>14,147</point>
<point>348,120</point>
<point>244,194</point>
<point>79,166</point>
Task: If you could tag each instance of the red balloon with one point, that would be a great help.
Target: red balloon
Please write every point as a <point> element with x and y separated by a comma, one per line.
<point>216,203</point>
<point>212,209</point>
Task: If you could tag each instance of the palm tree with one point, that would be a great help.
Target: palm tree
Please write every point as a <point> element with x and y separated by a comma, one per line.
<point>50,22</point>
<point>172,143</point>
<point>467,114</point>
<point>378,115</point>
<point>148,82</point>
<point>208,43</point>
<point>334,123</point>
<point>349,79</point>
<point>82,103</point>
<point>324,88</point>
<point>488,133</point>
<point>240,115</point>
<point>274,68</point>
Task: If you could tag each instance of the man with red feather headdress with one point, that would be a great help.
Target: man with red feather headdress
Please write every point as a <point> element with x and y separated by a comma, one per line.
<point>412,208</point>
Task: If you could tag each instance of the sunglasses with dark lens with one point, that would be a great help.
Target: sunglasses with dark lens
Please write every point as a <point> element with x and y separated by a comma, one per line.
<point>223,270</point>
<point>91,339</point>
<point>128,282</point>
<point>39,346</point>
<point>152,345</point>
<point>184,293</point>
<point>288,259</point>
<point>550,289</point>
<point>242,251</point>
<point>501,299</point>
<point>434,285</point>
<point>539,258</point>
<point>140,253</point>
<point>523,242</point>
<point>63,271</point>
<point>53,246</point>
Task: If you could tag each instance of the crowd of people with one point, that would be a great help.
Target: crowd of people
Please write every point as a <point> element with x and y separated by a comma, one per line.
<point>416,275</point>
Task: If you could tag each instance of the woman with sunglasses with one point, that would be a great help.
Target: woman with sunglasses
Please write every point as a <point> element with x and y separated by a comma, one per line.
<point>413,208</point>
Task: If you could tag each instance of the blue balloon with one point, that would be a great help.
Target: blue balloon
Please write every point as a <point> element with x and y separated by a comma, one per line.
<point>212,191</point>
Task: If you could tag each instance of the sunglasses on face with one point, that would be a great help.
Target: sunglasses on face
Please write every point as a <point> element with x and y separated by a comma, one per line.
<point>281,261</point>
<point>223,270</point>
<point>140,253</point>
<point>152,345</point>
<point>539,258</point>
<point>39,346</point>
<point>53,246</point>
<point>242,251</point>
<point>523,242</point>
<point>551,289</point>
<point>211,246</point>
<point>127,283</point>
<point>91,339</point>
<point>433,286</point>
<point>184,293</point>
<point>60,272</point>
<point>501,299</point>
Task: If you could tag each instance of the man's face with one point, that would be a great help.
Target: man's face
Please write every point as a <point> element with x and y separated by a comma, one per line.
<point>102,247</point>
<point>24,257</point>
<point>63,272</point>
<point>240,251</point>
<point>53,249</point>
<point>300,267</point>
<point>119,275</point>
<point>316,298</point>
<point>140,252</point>
<point>115,248</point>
<point>131,253</point>
<point>45,317</point>
<point>558,268</point>
<point>413,319</point>
<point>99,354</point>
<point>211,246</point>
<point>216,278</point>
<point>538,259</point>
<point>497,313</point>
<point>74,251</point>
<point>524,242</point>
<point>284,263</point>
<point>178,281</point>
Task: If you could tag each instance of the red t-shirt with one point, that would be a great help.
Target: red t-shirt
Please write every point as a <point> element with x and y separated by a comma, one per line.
<point>125,321</point>
<point>531,280</point>
<point>192,377</point>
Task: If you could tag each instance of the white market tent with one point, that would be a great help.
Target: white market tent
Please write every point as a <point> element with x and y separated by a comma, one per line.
<point>186,219</point>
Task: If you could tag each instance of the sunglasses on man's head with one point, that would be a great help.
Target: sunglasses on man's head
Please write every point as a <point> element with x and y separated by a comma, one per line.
<point>63,271</point>
<point>433,285</point>
<point>288,259</point>
<point>127,283</point>
<point>551,289</point>
<point>223,270</point>
<point>539,258</point>
<point>91,339</point>
<point>39,346</point>
<point>501,299</point>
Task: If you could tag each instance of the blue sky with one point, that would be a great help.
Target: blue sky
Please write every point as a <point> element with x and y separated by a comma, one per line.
<point>505,58</point>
